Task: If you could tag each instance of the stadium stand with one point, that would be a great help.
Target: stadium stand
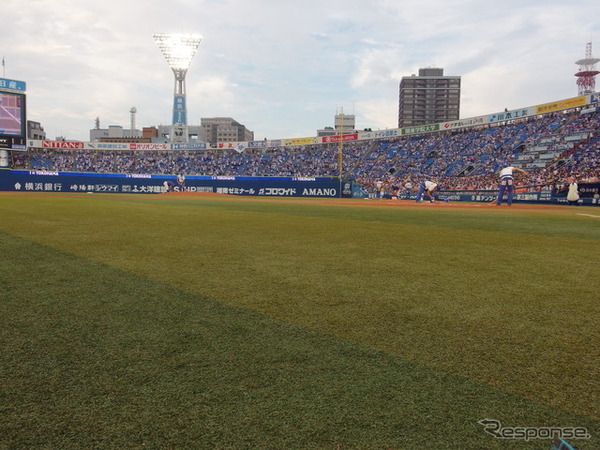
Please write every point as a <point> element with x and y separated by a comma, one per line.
<point>552,148</point>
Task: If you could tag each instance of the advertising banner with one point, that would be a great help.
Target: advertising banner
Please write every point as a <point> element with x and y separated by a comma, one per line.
<point>342,138</point>
<point>587,192</point>
<point>560,105</point>
<point>13,85</point>
<point>46,181</point>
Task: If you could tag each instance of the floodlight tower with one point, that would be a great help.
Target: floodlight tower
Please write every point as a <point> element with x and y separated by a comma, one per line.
<point>586,80</point>
<point>178,50</point>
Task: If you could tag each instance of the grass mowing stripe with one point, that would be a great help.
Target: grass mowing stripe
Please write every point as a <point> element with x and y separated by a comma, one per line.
<point>563,222</point>
<point>537,222</point>
<point>515,312</point>
<point>97,357</point>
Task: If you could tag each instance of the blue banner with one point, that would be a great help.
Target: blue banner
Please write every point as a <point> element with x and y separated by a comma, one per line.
<point>43,181</point>
<point>545,197</point>
<point>13,85</point>
<point>179,110</point>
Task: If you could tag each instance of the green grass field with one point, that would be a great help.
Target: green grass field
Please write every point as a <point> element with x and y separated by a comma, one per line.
<point>201,322</point>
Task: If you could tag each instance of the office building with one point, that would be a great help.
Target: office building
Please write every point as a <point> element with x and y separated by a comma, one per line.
<point>224,129</point>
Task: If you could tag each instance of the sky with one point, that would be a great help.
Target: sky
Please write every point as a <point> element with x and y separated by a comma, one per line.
<point>285,68</point>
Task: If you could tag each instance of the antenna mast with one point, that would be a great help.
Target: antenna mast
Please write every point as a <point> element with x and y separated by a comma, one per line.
<point>586,81</point>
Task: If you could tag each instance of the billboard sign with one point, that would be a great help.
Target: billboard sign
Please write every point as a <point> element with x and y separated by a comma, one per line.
<point>12,85</point>
<point>13,119</point>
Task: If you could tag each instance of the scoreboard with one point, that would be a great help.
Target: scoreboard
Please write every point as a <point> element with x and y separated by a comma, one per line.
<point>13,117</point>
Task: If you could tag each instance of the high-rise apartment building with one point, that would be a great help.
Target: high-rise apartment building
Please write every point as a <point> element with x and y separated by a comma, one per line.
<point>428,98</point>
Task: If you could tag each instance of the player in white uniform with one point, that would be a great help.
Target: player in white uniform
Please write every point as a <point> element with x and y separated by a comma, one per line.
<point>507,184</point>
<point>427,187</point>
<point>573,194</point>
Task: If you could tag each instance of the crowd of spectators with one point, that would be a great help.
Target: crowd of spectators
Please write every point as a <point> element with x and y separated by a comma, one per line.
<point>471,159</point>
<point>457,160</point>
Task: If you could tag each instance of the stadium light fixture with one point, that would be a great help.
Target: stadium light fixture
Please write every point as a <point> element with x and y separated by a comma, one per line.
<point>179,51</point>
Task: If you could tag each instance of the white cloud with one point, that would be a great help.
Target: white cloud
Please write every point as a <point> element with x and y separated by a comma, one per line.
<point>283,68</point>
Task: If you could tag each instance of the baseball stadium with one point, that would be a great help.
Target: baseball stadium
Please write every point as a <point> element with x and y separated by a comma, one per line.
<point>305,293</point>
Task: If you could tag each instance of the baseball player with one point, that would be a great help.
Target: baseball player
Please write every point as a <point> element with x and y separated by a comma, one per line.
<point>507,184</point>
<point>427,187</point>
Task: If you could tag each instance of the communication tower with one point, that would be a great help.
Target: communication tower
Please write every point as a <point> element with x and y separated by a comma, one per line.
<point>586,80</point>
<point>178,50</point>
<point>132,112</point>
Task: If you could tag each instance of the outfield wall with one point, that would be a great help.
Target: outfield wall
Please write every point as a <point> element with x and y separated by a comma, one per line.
<point>42,181</point>
<point>320,187</point>
<point>543,197</point>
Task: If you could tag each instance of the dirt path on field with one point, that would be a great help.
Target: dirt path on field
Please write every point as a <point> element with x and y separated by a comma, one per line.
<point>361,202</point>
<point>383,203</point>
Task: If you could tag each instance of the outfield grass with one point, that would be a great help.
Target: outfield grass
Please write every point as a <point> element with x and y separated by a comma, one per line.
<point>174,322</point>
